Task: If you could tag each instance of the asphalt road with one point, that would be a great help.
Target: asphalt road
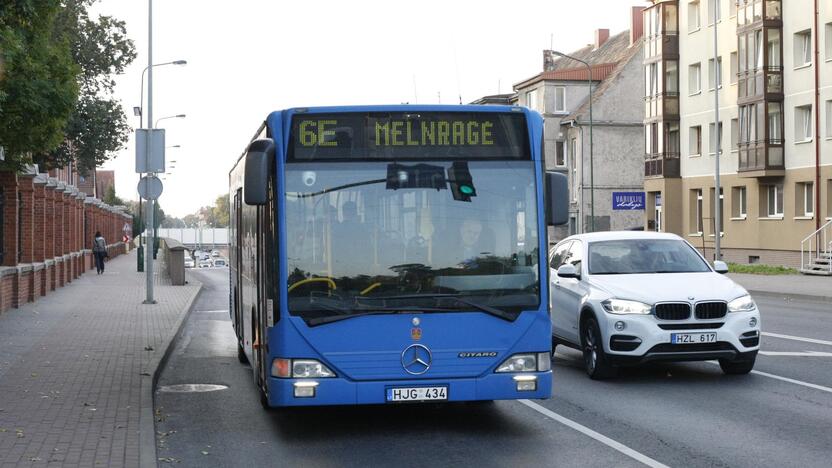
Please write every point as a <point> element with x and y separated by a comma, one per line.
<point>686,414</point>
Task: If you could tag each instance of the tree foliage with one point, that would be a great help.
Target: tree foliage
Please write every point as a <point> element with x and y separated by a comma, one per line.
<point>38,79</point>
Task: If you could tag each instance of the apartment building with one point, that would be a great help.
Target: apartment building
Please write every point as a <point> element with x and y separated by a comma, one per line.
<point>773,78</point>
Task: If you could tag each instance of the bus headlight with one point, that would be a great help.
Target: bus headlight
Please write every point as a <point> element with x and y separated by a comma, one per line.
<point>300,369</point>
<point>526,362</point>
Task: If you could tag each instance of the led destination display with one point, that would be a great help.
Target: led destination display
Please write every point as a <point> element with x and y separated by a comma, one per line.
<point>418,135</point>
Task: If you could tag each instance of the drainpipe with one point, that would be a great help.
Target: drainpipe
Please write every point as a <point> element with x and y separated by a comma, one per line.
<point>817,119</point>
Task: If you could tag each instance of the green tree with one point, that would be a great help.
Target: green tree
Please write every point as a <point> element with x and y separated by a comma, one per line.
<point>220,211</point>
<point>111,198</point>
<point>38,79</point>
<point>97,128</point>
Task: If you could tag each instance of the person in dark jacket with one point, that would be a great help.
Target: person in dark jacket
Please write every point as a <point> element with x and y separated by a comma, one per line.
<point>99,251</point>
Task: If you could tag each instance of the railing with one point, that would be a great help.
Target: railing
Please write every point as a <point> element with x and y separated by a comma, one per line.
<point>815,246</point>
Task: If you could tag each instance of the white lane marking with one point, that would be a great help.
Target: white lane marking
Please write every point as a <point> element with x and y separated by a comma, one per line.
<point>798,338</point>
<point>796,353</point>
<point>599,437</point>
<point>797,382</point>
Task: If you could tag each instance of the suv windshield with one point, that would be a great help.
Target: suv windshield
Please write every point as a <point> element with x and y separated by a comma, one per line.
<point>637,256</point>
<point>386,236</point>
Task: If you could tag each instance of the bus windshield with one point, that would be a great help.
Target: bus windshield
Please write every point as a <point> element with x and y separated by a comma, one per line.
<point>401,234</point>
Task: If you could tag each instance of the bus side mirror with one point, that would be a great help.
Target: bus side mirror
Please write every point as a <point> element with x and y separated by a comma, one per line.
<point>556,198</point>
<point>258,157</point>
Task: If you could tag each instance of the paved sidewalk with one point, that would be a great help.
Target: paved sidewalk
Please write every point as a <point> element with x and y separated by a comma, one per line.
<point>77,369</point>
<point>794,286</point>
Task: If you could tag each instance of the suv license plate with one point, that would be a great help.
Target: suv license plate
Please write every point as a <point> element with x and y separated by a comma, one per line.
<point>692,338</point>
<point>417,393</point>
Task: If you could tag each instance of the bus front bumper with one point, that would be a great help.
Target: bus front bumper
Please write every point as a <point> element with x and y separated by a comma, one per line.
<point>339,391</point>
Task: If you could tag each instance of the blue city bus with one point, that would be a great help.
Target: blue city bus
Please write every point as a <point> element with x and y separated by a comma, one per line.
<point>393,254</point>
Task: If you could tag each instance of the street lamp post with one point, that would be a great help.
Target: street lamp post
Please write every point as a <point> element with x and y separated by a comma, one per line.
<point>591,168</point>
<point>138,111</point>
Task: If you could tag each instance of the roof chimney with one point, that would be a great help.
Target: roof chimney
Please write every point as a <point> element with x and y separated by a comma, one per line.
<point>549,60</point>
<point>636,24</point>
<point>601,36</point>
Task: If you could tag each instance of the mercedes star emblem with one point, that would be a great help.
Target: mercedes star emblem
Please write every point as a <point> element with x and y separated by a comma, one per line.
<point>416,359</point>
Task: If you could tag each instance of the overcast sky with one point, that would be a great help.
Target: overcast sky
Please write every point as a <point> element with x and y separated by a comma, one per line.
<point>247,58</point>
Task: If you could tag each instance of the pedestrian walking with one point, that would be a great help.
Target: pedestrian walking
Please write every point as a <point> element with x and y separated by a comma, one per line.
<point>99,251</point>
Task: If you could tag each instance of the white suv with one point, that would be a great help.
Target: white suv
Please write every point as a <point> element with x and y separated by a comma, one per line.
<point>645,296</point>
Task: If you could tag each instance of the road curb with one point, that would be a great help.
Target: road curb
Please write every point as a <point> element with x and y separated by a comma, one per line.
<point>150,376</point>
<point>797,297</point>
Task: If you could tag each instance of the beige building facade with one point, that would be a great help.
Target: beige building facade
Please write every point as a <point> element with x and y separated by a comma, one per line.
<point>774,79</point>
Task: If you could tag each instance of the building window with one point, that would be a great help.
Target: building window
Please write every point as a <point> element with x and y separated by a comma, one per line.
<point>651,80</point>
<point>774,48</point>
<point>560,99</point>
<point>828,40</point>
<point>696,221</point>
<point>829,119</point>
<point>671,77</point>
<point>774,200</point>
<point>715,138</point>
<point>802,123</point>
<point>560,149</point>
<point>693,16</point>
<point>672,143</point>
<point>748,124</point>
<point>574,153</point>
<point>803,48</point>
<point>734,67</point>
<point>531,99</point>
<point>805,199</point>
<point>714,13</point>
<point>695,78</point>
<point>695,148</point>
<point>718,72</point>
<point>739,203</point>
<point>775,123</point>
<point>721,212</point>
<point>735,134</point>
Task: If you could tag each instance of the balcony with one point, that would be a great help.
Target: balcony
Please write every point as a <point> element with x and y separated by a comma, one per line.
<point>752,14</point>
<point>761,159</point>
<point>661,46</point>
<point>661,165</point>
<point>763,84</point>
<point>664,106</point>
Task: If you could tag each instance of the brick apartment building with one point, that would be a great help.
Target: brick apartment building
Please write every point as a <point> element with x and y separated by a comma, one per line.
<point>47,232</point>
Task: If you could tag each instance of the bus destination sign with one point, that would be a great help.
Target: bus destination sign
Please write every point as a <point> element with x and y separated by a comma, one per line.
<point>414,135</point>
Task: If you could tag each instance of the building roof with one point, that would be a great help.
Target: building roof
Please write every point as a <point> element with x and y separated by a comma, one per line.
<point>503,99</point>
<point>602,60</point>
<point>607,82</point>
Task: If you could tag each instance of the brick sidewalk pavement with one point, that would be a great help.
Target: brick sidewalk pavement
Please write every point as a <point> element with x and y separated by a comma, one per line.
<point>76,370</point>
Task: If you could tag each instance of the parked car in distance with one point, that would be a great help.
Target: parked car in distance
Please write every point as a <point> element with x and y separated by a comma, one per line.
<point>626,298</point>
<point>206,263</point>
<point>189,262</point>
<point>215,253</point>
<point>220,262</point>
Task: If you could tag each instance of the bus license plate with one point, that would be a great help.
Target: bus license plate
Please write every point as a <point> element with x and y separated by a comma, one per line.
<point>417,393</point>
<point>692,338</point>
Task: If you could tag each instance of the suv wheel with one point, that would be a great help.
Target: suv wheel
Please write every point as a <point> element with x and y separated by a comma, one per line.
<point>737,367</point>
<point>595,360</point>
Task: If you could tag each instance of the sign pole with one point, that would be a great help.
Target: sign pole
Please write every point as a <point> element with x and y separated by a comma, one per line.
<point>150,205</point>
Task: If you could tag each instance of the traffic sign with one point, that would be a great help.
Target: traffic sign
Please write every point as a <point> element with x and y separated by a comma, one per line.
<point>150,187</point>
<point>150,156</point>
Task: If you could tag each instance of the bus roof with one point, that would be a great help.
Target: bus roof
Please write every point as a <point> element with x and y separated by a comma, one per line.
<point>406,108</point>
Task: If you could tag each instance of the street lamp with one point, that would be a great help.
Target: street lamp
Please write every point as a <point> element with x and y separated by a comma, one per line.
<point>137,111</point>
<point>591,171</point>
<point>177,116</point>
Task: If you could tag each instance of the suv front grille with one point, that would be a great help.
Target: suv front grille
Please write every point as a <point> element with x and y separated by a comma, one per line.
<point>711,310</point>
<point>673,311</point>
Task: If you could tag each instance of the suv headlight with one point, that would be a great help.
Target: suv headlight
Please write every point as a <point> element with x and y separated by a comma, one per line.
<point>300,369</point>
<point>742,304</point>
<point>622,307</point>
<point>526,362</point>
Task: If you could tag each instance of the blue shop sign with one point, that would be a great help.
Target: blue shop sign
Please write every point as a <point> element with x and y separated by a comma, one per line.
<point>628,200</point>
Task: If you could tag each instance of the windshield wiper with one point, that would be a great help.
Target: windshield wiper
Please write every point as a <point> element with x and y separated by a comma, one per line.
<point>363,312</point>
<point>499,313</point>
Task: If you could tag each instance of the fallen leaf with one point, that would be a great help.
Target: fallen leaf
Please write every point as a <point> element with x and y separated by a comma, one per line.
<point>204,452</point>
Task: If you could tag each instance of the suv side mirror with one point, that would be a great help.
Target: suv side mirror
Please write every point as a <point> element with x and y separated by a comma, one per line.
<point>568,271</point>
<point>258,158</point>
<point>720,267</point>
<point>556,198</point>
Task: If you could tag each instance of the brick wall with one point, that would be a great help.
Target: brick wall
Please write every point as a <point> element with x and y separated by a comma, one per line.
<point>47,240</point>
